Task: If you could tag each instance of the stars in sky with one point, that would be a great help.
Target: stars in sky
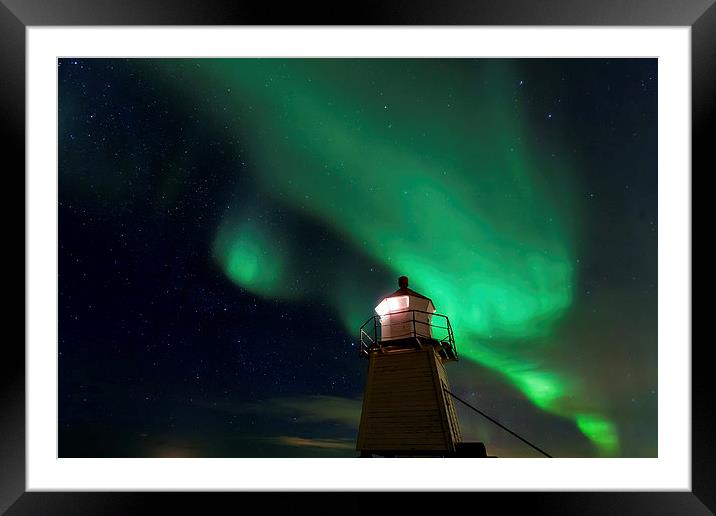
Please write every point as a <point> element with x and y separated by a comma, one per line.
<point>157,341</point>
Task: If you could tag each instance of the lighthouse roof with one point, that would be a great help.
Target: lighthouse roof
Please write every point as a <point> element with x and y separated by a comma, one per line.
<point>426,304</point>
<point>405,291</point>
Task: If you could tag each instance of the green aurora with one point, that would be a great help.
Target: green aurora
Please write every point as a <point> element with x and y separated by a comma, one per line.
<point>435,182</point>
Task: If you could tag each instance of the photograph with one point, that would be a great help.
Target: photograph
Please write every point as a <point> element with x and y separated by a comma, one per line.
<point>357,257</point>
<point>263,244</point>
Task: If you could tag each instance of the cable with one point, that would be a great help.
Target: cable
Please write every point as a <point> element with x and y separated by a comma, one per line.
<point>498,423</point>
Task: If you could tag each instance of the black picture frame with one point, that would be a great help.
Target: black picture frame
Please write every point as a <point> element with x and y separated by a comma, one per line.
<point>16,15</point>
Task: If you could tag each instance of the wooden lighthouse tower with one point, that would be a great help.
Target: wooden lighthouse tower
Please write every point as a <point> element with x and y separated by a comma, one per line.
<point>407,409</point>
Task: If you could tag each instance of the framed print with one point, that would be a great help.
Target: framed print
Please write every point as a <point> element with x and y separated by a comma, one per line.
<point>220,199</point>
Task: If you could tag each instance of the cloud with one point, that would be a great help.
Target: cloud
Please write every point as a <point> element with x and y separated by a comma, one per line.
<point>342,444</point>
<point>319,408</point>
<point>308,409</point>
<point>179,449</point>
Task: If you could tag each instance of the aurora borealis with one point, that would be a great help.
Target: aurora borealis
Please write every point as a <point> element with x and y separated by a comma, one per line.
<point>240,218</point>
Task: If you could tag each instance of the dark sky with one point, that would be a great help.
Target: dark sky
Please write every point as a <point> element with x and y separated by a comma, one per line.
<point>225,226</point>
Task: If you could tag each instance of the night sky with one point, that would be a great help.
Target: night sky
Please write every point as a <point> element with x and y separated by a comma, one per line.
<point>226,226</point>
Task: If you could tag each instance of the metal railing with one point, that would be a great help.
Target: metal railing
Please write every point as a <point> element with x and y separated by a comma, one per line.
<point>378,331</point>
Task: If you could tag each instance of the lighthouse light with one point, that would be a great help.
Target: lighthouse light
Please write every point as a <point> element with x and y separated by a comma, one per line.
<point>392,304</point>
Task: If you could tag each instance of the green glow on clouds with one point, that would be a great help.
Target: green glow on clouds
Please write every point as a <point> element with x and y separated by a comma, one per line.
<point>250,258</point>
<point>601,431</point>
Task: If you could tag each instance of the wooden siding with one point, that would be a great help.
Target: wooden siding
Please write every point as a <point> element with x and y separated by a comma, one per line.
<point>448,402</point>
<point>404,406</point>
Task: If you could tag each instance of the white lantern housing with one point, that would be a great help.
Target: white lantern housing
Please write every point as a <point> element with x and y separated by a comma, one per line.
<point>405,314</point>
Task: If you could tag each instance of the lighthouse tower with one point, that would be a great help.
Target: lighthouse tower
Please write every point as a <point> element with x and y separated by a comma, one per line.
<point>407,409</point>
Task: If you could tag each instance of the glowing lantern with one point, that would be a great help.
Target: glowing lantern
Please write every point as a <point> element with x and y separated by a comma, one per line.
<point>405,313</point>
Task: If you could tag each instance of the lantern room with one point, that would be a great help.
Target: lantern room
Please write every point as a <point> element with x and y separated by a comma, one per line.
<point>406,319</point>
<point>405,313</point>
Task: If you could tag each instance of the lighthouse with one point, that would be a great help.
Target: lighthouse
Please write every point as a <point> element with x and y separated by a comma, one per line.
<point>407,407</point>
